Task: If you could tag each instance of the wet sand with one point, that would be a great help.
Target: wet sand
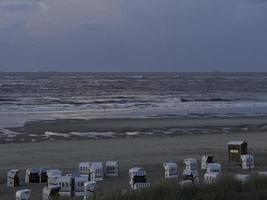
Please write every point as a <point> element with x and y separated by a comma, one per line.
<point>78,129</point>
<point>146,151</point>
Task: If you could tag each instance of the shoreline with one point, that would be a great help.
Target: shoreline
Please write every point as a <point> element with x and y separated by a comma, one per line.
<point>111,128</point>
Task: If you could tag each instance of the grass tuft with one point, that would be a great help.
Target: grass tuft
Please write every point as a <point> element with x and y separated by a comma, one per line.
<point>225,189</point>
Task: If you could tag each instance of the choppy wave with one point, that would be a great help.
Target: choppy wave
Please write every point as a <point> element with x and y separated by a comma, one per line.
<point>181,92</point>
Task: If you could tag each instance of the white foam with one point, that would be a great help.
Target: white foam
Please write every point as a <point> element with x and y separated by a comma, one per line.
<point>226,129</point>
<point>132,133</point>
<point>8,134</point>
<point>149,133</point>
<point>171,106</point>
<point>48,134</point>
<point>33,135</point>
<point>135,77</point>
<point>168,132</point>
<point>92,134</point>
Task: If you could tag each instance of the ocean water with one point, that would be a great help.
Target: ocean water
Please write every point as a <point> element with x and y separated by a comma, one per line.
<point>148,94</point>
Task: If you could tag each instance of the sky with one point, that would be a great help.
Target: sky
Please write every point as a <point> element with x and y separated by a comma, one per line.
<point>133,35</point>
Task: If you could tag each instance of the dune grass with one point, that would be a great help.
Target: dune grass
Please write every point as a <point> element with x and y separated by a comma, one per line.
<point>226,189</point>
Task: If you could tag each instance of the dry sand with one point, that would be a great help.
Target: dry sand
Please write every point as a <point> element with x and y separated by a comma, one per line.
<point>148,152</point>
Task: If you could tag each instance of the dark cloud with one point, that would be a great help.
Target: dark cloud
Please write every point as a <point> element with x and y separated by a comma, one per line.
<point>139,35</point>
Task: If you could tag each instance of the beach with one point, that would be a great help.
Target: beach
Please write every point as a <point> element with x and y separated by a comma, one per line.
<point>145,84</point>
<point>192,137</point>
<point>80,129</point>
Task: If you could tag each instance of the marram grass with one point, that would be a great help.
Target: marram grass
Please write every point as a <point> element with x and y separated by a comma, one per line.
<point>226,189</point>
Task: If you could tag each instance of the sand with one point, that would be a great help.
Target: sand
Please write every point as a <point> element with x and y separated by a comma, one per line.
<point>147,151</point>
<point>78,129</point>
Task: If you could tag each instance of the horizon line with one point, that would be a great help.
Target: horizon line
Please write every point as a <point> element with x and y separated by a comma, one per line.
<point>174,71</point>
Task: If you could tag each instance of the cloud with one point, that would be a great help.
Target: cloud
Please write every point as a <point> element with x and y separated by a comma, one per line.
<point>253,1</point>
<point>15,14</point>
<point>14,6</point>
<point>12,26</point>
<point>134,34</point>
<point>43,5</point>
<point>91,26</point>
<point>22,5</point>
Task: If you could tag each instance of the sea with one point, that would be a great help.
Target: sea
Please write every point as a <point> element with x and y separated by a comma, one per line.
<point>46,95</point>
